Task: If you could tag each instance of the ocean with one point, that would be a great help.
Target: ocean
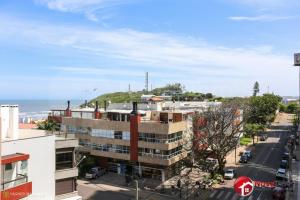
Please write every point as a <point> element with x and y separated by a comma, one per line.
<point>39,109</point>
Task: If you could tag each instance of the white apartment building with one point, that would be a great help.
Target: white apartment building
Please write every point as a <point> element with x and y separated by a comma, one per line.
<point>28,162</point>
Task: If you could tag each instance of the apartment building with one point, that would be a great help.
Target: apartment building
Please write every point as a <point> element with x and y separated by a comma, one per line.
<point>146,137</point>
<point>34,163</point>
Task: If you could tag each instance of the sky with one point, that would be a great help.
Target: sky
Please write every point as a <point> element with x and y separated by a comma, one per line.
<point>78,49</point>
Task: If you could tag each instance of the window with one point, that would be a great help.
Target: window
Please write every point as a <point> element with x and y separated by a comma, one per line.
<point>126,135</point>
<point>8,167</point>
<point>64,160</point>
<point>112,148</point>
<point>102,133</point>
<point>118,135</point>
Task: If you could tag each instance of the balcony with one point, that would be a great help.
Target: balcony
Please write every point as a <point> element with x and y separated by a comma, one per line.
<point>165,160</point>
<point>66,173</point>
<point>14,179</point>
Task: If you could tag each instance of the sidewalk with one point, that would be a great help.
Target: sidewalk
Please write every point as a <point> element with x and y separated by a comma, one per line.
<point>291,195</point>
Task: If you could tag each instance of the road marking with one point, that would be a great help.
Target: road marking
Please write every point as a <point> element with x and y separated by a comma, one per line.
<point>212,194</point>
<point>258,198</point>
<point>220,194</point>
<point>235,197</point>
<point>227,195</point>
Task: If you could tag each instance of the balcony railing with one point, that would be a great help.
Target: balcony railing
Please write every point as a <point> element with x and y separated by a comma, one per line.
<point>160,141</point>
<point>160,156</point>
<point>16,182</point>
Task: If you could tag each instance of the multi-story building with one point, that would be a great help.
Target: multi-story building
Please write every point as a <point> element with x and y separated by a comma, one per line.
<point>35,164</point>
<point>149,139</point>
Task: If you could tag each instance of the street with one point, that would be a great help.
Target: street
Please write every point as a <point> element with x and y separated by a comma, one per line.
<point>262,167</point>
<point>92,190</point>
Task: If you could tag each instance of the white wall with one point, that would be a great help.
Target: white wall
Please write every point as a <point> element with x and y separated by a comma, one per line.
<point>41,164</point>
<point>9,116</point>
<point>4,117</point>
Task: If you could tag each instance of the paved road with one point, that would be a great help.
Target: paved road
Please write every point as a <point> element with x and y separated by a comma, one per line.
<point>266,161</point>
<point>91,190</point>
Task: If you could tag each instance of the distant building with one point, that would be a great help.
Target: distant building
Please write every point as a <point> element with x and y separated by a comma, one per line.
<point>31,161</point>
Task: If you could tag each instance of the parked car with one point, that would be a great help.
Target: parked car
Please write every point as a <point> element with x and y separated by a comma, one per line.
<point>263,137</point>
<point>229,174</point>
<point>248,154</point>
<point>211,164</point>
<point>286,156</point>
<point>243,159</point>
<point>282,174</point>
<point>95,172</point>
<point>284,164</point>
<point>278,193</point>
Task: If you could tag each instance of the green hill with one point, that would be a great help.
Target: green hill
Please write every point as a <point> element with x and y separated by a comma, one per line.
<point>117,97</point>
<point>175,90</point>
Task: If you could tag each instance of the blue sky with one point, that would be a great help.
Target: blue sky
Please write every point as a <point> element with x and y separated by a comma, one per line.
<point>77,49</point>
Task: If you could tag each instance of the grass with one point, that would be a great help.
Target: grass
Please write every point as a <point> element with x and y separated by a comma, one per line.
<point>245,140</point>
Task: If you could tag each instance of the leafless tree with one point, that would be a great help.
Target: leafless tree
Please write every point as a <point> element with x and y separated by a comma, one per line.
<point>217,131</point>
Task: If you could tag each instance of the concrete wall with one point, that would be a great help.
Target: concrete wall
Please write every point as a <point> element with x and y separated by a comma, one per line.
<point>41,164</point>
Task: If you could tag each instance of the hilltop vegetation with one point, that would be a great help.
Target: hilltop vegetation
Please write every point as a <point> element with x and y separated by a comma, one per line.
<point>117,97</point>
<point>176,90</point>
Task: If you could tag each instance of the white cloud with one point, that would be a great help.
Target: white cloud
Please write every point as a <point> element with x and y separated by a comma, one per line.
<point>264,18</point>
<point>267,4</point>
<point>88,7</point>
<point>194,62</point>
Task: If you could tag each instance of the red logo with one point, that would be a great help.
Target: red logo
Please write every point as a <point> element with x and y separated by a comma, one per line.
<point>244,186</point>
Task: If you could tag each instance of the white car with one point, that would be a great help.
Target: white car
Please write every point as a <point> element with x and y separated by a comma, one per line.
<point>282,174</point>
<point>94,173</point>
<point>229,174</point>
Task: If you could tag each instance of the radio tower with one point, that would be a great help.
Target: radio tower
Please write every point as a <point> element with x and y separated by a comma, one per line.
<point>146,82</point>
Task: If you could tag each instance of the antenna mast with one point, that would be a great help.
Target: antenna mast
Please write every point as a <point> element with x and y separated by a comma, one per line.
<point>146,82</point>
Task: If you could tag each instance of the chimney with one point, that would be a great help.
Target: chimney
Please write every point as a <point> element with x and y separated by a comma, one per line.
<point>97,113</point>
<point>97,107</point>
<point>134,108</point>
<point>13,122</point>
<point>68,110</point>
<point>105,105</point>
<point>86,103</point>
<point>135,119</point>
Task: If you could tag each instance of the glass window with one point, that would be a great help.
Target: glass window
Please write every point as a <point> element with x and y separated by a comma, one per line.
<point>118,135</point>
<point>64,160</point>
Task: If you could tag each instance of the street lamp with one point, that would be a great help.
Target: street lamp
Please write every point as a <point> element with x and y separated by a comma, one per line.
<point>84,157</point>
<point>137,189</point>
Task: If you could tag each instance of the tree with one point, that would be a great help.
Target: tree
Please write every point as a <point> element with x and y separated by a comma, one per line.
<point>263,108</point>
<point>217,131</point>
<point>255,88</point>
<point>208,95</point>
<point>48,125</point>
<point>292,108</point>
<point>282,107</point>
<point>253,129</point>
